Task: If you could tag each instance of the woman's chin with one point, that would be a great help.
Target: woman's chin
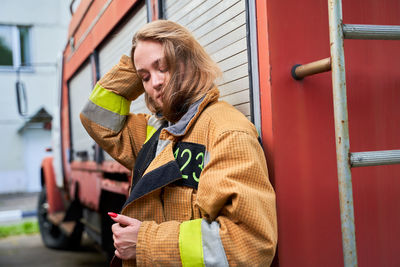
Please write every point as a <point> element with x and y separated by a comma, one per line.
<point>159,103</point>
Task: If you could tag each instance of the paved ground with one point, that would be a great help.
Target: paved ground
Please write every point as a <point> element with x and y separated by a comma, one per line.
<point>23,201</point>
<point>13,206</point>
<point>29,251</point>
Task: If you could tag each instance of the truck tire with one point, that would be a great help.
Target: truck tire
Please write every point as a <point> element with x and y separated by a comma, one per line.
<point>52,235</point>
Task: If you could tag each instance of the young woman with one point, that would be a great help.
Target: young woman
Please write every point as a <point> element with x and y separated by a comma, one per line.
<point>200,190</point>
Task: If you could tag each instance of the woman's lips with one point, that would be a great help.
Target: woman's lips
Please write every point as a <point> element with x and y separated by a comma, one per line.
<point>159,98</point>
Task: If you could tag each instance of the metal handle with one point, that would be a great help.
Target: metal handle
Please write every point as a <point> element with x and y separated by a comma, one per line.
<point>22,102</point>
<point>301,71</point>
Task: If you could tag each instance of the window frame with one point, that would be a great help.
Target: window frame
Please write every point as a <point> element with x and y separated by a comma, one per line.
<point>16,49</point>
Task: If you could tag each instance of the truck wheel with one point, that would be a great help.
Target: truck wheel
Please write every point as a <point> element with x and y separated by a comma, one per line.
<point>52,235</point>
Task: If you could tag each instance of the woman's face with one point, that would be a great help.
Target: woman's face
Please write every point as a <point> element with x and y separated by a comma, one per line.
<point>151,67</point>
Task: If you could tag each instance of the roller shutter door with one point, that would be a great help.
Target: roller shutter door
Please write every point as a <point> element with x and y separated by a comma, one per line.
<point>80,85</point>
<point>119,43</point>
<point>220,26</point>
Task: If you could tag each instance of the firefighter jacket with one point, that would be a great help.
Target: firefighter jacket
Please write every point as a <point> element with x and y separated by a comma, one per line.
<point>202,190</point>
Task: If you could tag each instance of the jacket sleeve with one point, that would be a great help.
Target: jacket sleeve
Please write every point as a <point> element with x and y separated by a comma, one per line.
<point>237,201</point>
<point>106,115</point>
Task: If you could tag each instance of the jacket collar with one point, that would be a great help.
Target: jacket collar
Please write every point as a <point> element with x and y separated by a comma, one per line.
<point>184,124</point>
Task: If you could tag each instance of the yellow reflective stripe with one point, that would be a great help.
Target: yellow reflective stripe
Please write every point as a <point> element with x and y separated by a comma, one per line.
<point>190,243</point>
<point>150,131</point>
<point>109,100</point>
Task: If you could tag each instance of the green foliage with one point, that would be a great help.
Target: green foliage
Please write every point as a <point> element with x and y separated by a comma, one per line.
<point>30,227</point>
<point>6,57</point>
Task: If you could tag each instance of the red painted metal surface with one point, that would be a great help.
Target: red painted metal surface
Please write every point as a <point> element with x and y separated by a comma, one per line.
<point>78,16</point>
<point>88,43</point>
<point>264,69</point>
<point>113,166</point>
<point>117,187</point>
<point>373,82</point>
<point>298,131</point>
<point>154,9</point>
<point>89,179</point>
<point>53,194</point>
<point>106,166</point>
<point>115,11</point>
<point>89,18</point>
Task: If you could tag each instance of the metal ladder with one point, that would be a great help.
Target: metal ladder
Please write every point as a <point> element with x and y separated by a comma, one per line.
<point>346,160</point>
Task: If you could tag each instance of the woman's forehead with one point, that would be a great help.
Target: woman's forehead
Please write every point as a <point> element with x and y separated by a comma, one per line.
<point>146,53</point>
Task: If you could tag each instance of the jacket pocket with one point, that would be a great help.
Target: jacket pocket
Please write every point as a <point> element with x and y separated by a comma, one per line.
<point>178,203</point>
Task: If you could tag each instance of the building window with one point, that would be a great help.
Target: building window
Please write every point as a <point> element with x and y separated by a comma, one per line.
<point>14,46</point>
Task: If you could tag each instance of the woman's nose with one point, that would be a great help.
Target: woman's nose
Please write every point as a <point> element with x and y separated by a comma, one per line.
<point>157,81</point>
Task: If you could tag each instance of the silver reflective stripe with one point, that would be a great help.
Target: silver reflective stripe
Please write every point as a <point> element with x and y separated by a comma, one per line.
<point>161,145</point>
<point>213,250</point>
<point>104,117</point>
<point>153,124</point>
<point>206,158</point>
<point>154,121</point>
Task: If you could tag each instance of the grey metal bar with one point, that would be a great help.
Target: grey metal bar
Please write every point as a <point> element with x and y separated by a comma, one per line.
<point>371,32</point>
<point>252,54</point>
<point>375,158</point>
<point>342,133</point>
<point>301,71</point>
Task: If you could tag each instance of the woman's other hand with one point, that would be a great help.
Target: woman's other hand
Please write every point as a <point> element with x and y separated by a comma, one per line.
<point>125,235</point>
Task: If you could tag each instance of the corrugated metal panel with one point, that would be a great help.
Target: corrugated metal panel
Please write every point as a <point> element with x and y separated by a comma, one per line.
<point>220,26</point>
<point>300,132</point>
<point>118,44</point>
<point>80,87</point>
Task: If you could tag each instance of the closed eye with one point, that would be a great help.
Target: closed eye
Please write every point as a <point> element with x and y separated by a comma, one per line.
<point>163,70</point>
<point>143,75</point>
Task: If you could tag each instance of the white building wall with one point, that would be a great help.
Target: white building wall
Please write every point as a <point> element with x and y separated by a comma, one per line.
<point>35,142</point>
<point>49,21</point>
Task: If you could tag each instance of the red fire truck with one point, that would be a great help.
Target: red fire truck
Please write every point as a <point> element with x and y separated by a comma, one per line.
<point>334,207</point>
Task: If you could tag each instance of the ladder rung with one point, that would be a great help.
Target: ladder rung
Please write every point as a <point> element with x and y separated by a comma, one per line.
<point>374,158</point>
<point>371,32</point>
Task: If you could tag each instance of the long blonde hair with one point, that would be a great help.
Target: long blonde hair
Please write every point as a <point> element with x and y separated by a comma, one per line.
<point>192,71</point>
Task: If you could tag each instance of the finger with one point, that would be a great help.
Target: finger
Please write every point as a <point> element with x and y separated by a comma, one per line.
<point>117,254</point>
<point>115,227</point>
<point>115,242</point>
<point>122,219</point>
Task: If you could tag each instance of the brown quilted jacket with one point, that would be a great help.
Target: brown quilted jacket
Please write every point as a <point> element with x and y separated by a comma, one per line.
<point>208,166</point>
